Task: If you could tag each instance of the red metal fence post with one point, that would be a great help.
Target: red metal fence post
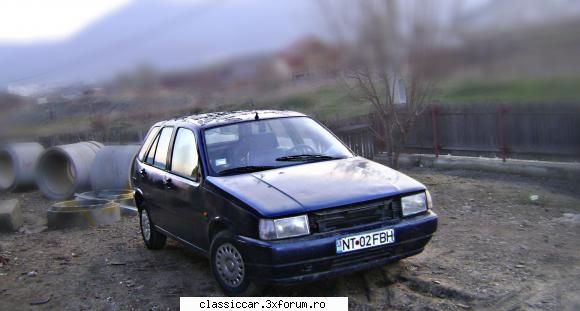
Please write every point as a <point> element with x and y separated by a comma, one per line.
<point>434,112</point>
<point>501,110</point>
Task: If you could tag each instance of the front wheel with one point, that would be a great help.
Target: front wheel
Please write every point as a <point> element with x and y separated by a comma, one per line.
<point>229,268</point>
<point>153,239</point>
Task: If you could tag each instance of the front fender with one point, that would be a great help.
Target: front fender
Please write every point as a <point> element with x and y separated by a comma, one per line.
<point>217,224</point>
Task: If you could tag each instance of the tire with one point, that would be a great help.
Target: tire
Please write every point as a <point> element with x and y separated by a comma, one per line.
<point>228,267</point>
<point>153,239</point>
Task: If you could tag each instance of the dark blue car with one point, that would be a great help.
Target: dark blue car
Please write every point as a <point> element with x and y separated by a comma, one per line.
<point>274,197</point>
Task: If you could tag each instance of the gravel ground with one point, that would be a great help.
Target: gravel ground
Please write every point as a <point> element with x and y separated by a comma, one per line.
<point>496,249</point>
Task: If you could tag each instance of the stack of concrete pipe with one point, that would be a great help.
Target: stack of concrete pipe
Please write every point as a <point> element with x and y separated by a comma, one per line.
<point>61,171</point>
<point>100,169</point>
<point>111,168</point>
<point>64,171</point>
<point>111,177</point>
<point>17,166</point>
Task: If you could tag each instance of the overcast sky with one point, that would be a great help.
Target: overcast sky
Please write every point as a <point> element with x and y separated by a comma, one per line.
<point>23,21</point>
<point>34,20</point>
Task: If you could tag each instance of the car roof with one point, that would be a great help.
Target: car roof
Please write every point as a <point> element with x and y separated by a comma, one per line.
<point>211,119</point>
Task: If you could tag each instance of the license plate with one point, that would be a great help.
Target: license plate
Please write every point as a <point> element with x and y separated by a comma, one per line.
<point>365,240</point>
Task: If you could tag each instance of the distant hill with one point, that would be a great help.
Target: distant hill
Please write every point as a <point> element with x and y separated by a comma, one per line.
<point>165,34</point>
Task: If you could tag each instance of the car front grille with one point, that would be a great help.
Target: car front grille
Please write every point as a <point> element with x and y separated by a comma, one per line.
<point>386,210</point>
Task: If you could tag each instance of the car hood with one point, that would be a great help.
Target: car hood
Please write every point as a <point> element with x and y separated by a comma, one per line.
<point>313,186</point>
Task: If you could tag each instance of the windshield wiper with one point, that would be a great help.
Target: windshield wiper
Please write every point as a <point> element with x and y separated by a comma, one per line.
<point>245,169</point>
<point>307,157</point>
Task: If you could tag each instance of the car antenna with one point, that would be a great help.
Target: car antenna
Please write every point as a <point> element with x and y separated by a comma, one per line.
<point>257,117</point>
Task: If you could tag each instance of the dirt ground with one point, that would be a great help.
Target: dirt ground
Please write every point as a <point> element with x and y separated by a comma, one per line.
<point>496,249</point>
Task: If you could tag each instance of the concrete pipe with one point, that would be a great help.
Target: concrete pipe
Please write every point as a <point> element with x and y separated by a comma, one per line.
<point>64,170</point>
<point>82,214</point>
<point>17,165</point>
<point>125,198</point>
<point>111,168</point>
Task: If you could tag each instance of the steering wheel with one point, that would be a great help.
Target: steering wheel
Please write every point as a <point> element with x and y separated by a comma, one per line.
<point>301,149</point>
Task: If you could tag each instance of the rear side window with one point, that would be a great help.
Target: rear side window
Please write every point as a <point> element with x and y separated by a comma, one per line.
<point>150,137</point>
<point>162,148</point>
<point>151,154</point>
<point>185,159</point>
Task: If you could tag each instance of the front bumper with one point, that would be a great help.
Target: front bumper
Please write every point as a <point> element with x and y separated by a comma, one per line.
<point>314,257</point>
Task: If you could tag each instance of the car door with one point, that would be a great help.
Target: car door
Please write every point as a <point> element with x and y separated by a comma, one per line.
<point>183,188</point>
<point>153,175</point>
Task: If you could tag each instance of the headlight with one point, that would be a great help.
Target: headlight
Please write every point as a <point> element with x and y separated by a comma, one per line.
<point>271,229</point>
<point>414,204</point>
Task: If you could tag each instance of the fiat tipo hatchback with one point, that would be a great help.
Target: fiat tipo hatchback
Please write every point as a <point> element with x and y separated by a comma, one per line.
<point>274,197</point>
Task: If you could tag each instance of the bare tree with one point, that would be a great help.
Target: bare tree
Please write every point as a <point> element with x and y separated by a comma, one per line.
<point>389,61</point>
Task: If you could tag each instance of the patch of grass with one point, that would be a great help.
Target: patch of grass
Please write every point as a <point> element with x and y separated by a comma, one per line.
<point>561,89</point>
<point>299,102</point>
<point>59,126</point>
<point>333,102</point>
<point>329,102</point>
<point>325,103</point>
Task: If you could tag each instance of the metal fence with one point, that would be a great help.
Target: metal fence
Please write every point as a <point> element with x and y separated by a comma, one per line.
<point>528,131</point>
<point>525,131</point>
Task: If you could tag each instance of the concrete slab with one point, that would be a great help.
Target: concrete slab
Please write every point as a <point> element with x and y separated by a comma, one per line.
<point>10,215</point>
<point>82,214</point>
<point>125,198</point>
<point>561,170</point>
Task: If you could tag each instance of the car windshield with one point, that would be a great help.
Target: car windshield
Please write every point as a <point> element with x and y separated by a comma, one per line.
<point>265,144</point>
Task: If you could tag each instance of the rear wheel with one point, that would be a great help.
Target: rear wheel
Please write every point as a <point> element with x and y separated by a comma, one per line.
<point>229,268</point>
<point>153,239</point>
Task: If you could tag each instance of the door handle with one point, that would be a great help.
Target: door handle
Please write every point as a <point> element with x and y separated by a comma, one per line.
<point>167,182</point>
<point>143,172</point>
